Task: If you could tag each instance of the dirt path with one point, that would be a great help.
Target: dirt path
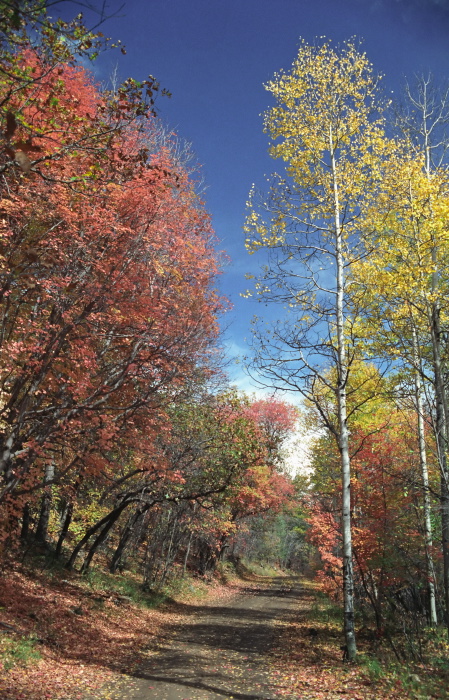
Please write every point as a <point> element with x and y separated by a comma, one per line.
<point>216,650</point>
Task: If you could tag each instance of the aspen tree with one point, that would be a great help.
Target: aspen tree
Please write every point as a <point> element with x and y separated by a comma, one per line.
<point>425,480</point>
<point>426,126</point>
<point>408,280</point>
<point>327,129</point>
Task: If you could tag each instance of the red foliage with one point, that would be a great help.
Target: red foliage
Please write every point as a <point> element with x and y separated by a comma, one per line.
<point>276,419</point>
<point>106,279</point>
<point>324,533</point>
<point>386,517</point>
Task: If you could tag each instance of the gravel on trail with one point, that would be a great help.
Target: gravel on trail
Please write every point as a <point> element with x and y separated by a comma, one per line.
<point>219,649</point>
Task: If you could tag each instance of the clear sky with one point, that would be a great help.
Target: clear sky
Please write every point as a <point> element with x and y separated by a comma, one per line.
<point>215,55</point>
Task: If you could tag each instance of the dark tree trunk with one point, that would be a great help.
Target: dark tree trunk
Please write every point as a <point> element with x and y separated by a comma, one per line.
<point>64,530</point>
<point>25,522</point>
<point>97,543</point>
<point>112,517</point>
<point>125,538</point>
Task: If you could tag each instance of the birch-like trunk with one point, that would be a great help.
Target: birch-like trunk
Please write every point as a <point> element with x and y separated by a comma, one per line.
<point>425,481</point>
<point>343,437</point>
<point>441,440</point>
<point>187,554</point>
<point>46,504</point>
<point>441,406</point>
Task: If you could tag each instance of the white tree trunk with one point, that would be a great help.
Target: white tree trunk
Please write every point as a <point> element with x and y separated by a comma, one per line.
<point>342,370</point>
<point>425,481</point>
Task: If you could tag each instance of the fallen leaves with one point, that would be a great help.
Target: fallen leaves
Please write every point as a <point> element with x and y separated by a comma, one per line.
<point>104,646</point>
<point>86,638</point>
<point>310,667</point>
<point>79,652</point>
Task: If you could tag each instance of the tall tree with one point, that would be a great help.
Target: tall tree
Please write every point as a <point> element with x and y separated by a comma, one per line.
<point>426,127</point>
<point>407,279</point>
<point>326,127</point>
<point>106,276</point>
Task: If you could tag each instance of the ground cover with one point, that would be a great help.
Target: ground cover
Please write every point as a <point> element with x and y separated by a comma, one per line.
<point>247,637</point>
<point>217,648</point>
<point>63,636</point>
<point>307,659</point>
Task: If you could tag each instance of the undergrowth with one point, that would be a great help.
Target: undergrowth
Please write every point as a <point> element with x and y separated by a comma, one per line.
<point>126,585</point>
<point>409,676</point>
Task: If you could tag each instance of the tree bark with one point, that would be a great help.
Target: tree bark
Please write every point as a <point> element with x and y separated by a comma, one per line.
<point>425,482</point>
<point>41,534</point>
<point>441,421</point>
<point>112,516</point>
<point>343,437</point>
<point>125,537</point>
<point>64,530</point>
<point>25,522</point>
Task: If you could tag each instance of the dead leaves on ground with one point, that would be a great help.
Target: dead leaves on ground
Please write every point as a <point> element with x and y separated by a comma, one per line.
<point>87,638</point>
<point>83,638</point>
<point>310,666</point>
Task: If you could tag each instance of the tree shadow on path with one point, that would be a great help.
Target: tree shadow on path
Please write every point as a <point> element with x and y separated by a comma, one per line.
<point>218,651</point>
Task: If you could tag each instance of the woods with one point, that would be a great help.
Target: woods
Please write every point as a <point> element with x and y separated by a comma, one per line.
<point>118,429</point>
<point>356,228</point>
<point>124,447</point>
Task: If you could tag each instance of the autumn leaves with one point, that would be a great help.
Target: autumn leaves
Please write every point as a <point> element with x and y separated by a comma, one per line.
<point>110,431</point>
<point>356,227</point>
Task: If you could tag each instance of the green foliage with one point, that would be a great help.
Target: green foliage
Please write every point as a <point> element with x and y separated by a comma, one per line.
<point>127,586</point>
<point>259,569</point>
<point>419,683</point>
<point>374,667</point>
<point>438,649</point>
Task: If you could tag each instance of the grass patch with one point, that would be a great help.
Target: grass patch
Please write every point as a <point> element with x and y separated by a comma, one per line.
<point>129,587</point>
<point>18,652</point>
<point>260,569</point>
<point>126,586</point>
<point>416,681</point>
<point>185,587</point>
<point>325,610</point>
<point>373,667</point>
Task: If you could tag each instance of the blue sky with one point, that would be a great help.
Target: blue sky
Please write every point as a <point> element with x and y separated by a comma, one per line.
<point>215,55</point>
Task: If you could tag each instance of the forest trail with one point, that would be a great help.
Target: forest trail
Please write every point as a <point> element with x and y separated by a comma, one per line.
<point>216,649</point>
